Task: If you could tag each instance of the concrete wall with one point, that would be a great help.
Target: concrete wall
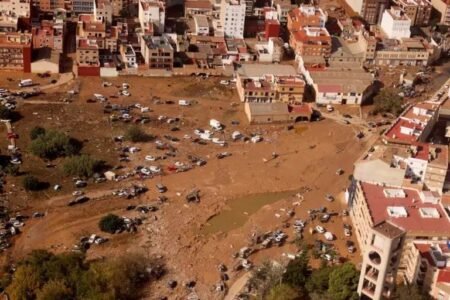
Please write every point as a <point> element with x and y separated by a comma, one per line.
<point>109,72</point>
<point>42,66</point>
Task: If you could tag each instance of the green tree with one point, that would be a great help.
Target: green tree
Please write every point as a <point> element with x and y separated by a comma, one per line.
<point>110,223</point>
<point>409,292</point>
<point>11,169</point>
<point>24,284</point>
<point>31,183</point>
<point>36,132</point>
<point>318,281</point>
<point>297,271</point>
<point>136,135</point>
<point>343,282</point>
<point>83,166</point>
<point>388,101</point>
<point>283,292</point>
<point>54,289</point>
<point>54,144</point>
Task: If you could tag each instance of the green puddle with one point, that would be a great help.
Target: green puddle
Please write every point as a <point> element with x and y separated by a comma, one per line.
<point>240,209</point>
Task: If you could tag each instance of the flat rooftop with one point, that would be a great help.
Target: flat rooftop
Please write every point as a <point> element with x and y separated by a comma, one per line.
<point>416,222</point>
<point>259,70</point>
<point>389,230</point>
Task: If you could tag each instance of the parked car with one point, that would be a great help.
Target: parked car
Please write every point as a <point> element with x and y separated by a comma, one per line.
<point>161,188</point>
<point>320,229</point>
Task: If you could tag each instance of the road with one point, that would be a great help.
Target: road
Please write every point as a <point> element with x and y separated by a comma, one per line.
<point>237,287</point>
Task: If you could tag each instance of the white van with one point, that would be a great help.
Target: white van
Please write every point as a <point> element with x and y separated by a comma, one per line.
<point>184,102</point>
<point>25,82</point>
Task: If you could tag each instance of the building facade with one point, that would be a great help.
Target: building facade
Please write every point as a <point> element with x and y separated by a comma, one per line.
<point>15,51</point>
<point>395,23</point>
<point>418,11</point>
<point>232,18</point>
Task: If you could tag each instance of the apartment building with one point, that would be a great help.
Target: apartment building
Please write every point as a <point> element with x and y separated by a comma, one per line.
<point>418,11</point>
<point>232,18</point>
<point>50,5</point>
<point>369,10</point>
<point>306,16</point>
<point>198,7</point>
<point>152,16</point>
<point>311,41</point>
<point>395,24</point>
<point>16,8</point>
<point>281,84</point>
<point>84,6</point>
<point>413,125</point>
<point>49,34</point>
<point>270,51</point>
<point>157,52</point>
<point>128,55</point>
<point>443,8</point>
<point>15,51</point>
<point>283,10</point>
<point>87,53</point>
<point>404,52</point>
<point>201,25</point>
<point>104,11</point>
<point>420,166</point>
<point>411,216</point>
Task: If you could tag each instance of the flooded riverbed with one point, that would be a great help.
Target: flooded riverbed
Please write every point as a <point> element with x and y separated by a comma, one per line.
<point>240,209</point>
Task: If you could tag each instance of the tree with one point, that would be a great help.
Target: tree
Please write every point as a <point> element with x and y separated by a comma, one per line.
<point>110,223</point>
<point>54,289</point>
<point>135,134</point>
<point>318,281</point>
<point>388,101</point>
<point>265,277</point>
<point>283,292</point>
<point>24,284</point>
<point>343,282</point>
<point>409,292</point>
<point>36,132</point>
<point>31,183</point>
<point>83,166</point>
<point>297,271</point>
<point>53,144</point>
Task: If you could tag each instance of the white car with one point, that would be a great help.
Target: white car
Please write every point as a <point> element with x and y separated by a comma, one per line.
<point>347,232</point>
<point>225,82</point>
<point>256,139</point>
<point>150,158</point>
<point>77,193</point>
<point>134,149</point>
<point>125,86</point>
<point>146,171</point>
<point>198,131</point>
<point>330,108</point>
<point>320,229</point>
<point>328,236</point>
<point>106,84</point>
<point>218,141</point>
<point>155,169</point>
<point>125,93</point>
<point>187,136</point>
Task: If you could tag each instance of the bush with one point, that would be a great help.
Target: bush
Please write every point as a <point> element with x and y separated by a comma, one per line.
<point>83,166</point>
<point>110,223</point>
<point>36,132</point>
<point>136,135</point>
<point>5,113</point>
<point>53,144</point>
<point>31,183</point>
<point>43,275</point>
<point>388,101</point>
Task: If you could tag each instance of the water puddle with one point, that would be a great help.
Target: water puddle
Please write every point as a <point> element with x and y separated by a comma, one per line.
<point>240,209</point>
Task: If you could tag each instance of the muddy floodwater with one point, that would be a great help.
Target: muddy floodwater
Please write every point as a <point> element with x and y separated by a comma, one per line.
<point>240,209</point>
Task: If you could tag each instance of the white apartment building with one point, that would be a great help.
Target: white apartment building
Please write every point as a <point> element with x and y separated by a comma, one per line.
<point>395,24</point>
<point>152,15</point>
<point>232,17</point>
<point>84,7</point>
<point>17,8</point>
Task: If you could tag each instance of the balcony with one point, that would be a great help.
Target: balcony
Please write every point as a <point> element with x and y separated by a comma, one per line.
<point>368,288</point>
<point>372,273</point>
<point>374,257</point>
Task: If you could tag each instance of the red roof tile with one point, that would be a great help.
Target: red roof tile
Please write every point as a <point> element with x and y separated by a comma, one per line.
<point>444,275</point>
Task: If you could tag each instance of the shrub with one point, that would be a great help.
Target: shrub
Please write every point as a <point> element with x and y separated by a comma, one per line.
<point>53,144</point>
<point>43,275</point>
<point>388,101</point>
<point>136,135</point>
<point>110,223</point>
<point>36,132</point>
<point>12,170</point>
<point>83,166</point>
<point>31,183</point>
